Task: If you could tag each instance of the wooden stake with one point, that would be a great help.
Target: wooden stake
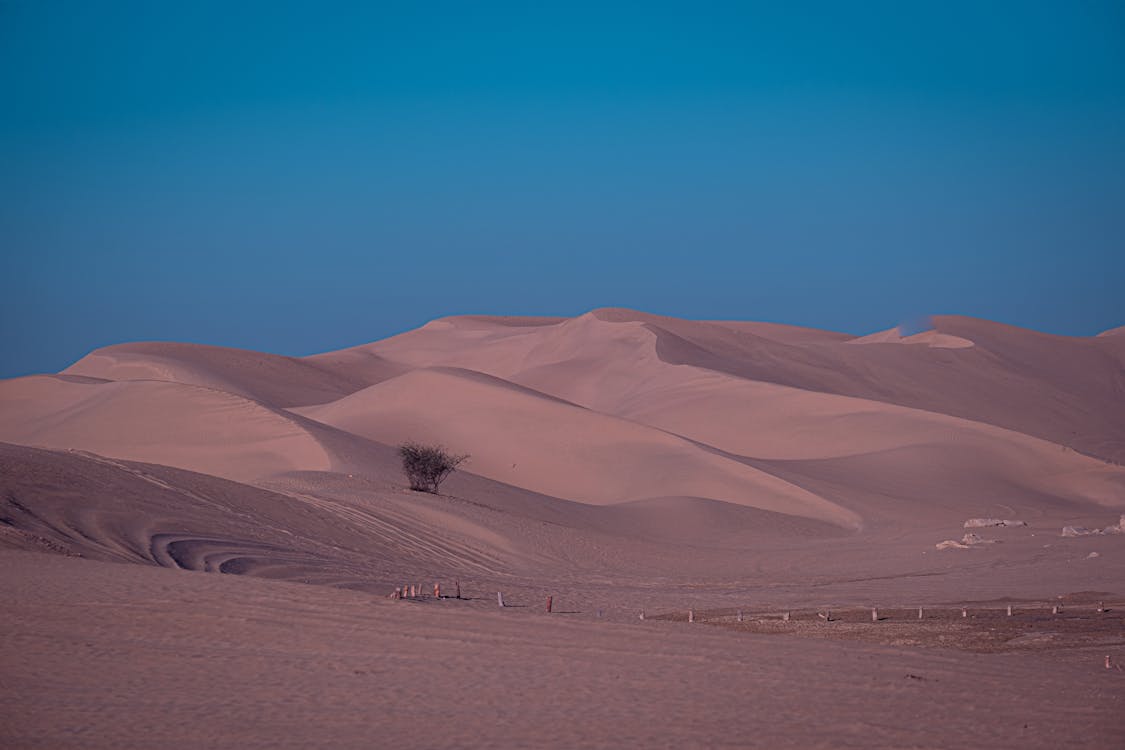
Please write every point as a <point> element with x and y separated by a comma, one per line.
<point>499,598</point>
<point>549,604</point>
<point>1055,610</point>
<point>1108,665</point>
<point>1009,610</point>
<point>919,613</point>
<point>437,590</point>
<point>740,615</point>
<point>457,588</point>
<point>691,615</point>
<point>964,612</point>
<point>874,615</point>
<point>405,591</point>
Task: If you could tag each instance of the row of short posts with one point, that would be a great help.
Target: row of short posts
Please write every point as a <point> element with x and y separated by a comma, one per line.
<point>415,591</point>
<point>826,614</point>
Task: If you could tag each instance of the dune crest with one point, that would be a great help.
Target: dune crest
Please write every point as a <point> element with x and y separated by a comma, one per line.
<point>270,378</point>
<point>931,338</point>
<point>192,427</point>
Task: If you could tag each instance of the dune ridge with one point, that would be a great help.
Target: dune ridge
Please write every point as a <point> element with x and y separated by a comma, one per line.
<point>269,378</point>
<point>615,406</point>
<point>189,426</point>
<point>1066,390</point>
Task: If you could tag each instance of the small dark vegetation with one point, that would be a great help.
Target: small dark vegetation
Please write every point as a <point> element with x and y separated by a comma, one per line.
<point>427,466</point>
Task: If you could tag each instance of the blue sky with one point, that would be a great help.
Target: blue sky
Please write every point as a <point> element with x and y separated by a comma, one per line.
<point>298,177</point>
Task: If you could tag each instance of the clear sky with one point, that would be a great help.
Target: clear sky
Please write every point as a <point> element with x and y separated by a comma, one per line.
<point>298,177</point>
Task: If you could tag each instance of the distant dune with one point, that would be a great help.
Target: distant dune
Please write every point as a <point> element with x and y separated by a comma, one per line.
<point>617,406</point>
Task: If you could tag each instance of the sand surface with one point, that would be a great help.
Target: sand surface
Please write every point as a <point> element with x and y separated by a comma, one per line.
<point>621,462</point>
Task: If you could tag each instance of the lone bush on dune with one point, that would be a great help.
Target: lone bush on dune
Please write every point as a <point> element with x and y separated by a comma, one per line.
<point>427,466</point>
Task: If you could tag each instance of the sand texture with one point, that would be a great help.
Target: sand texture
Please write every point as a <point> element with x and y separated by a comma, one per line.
<point>712,475</point>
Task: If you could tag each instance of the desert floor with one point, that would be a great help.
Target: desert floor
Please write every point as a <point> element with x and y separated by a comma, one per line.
<point>108,655</point>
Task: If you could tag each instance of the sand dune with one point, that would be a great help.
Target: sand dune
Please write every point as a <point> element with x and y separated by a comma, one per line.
<point>269,378</point>
<point>639,403</point>
<point>766,421</point>
<point>192,427</point>
<point>782,333</point>
<point>104,509</point>
<point>582,455</point>
<point>1064,390</point>
<point>929,338</point>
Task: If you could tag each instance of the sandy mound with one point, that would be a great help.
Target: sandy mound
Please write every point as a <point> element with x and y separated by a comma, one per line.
<point>782,333</point>
<point>1060,389</point>
<point>702,521</point>
<point>529,440</point>
<point>192,427</point>
<point>931,338</point>
<point>269,378</point>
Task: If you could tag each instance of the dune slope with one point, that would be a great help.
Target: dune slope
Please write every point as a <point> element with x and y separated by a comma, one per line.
<point>1065,390</point>
<point>193,427</point>
<point>550,446</point>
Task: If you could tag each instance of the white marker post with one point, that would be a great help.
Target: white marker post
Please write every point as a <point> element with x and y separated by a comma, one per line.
<point>500,598</point>
<point>874,615</point>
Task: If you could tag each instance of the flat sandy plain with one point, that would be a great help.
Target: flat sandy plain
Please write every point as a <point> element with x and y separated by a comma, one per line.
<point>197,543</point>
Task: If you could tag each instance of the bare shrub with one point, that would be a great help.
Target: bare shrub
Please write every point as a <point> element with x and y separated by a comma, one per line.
<point>427,466</point>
